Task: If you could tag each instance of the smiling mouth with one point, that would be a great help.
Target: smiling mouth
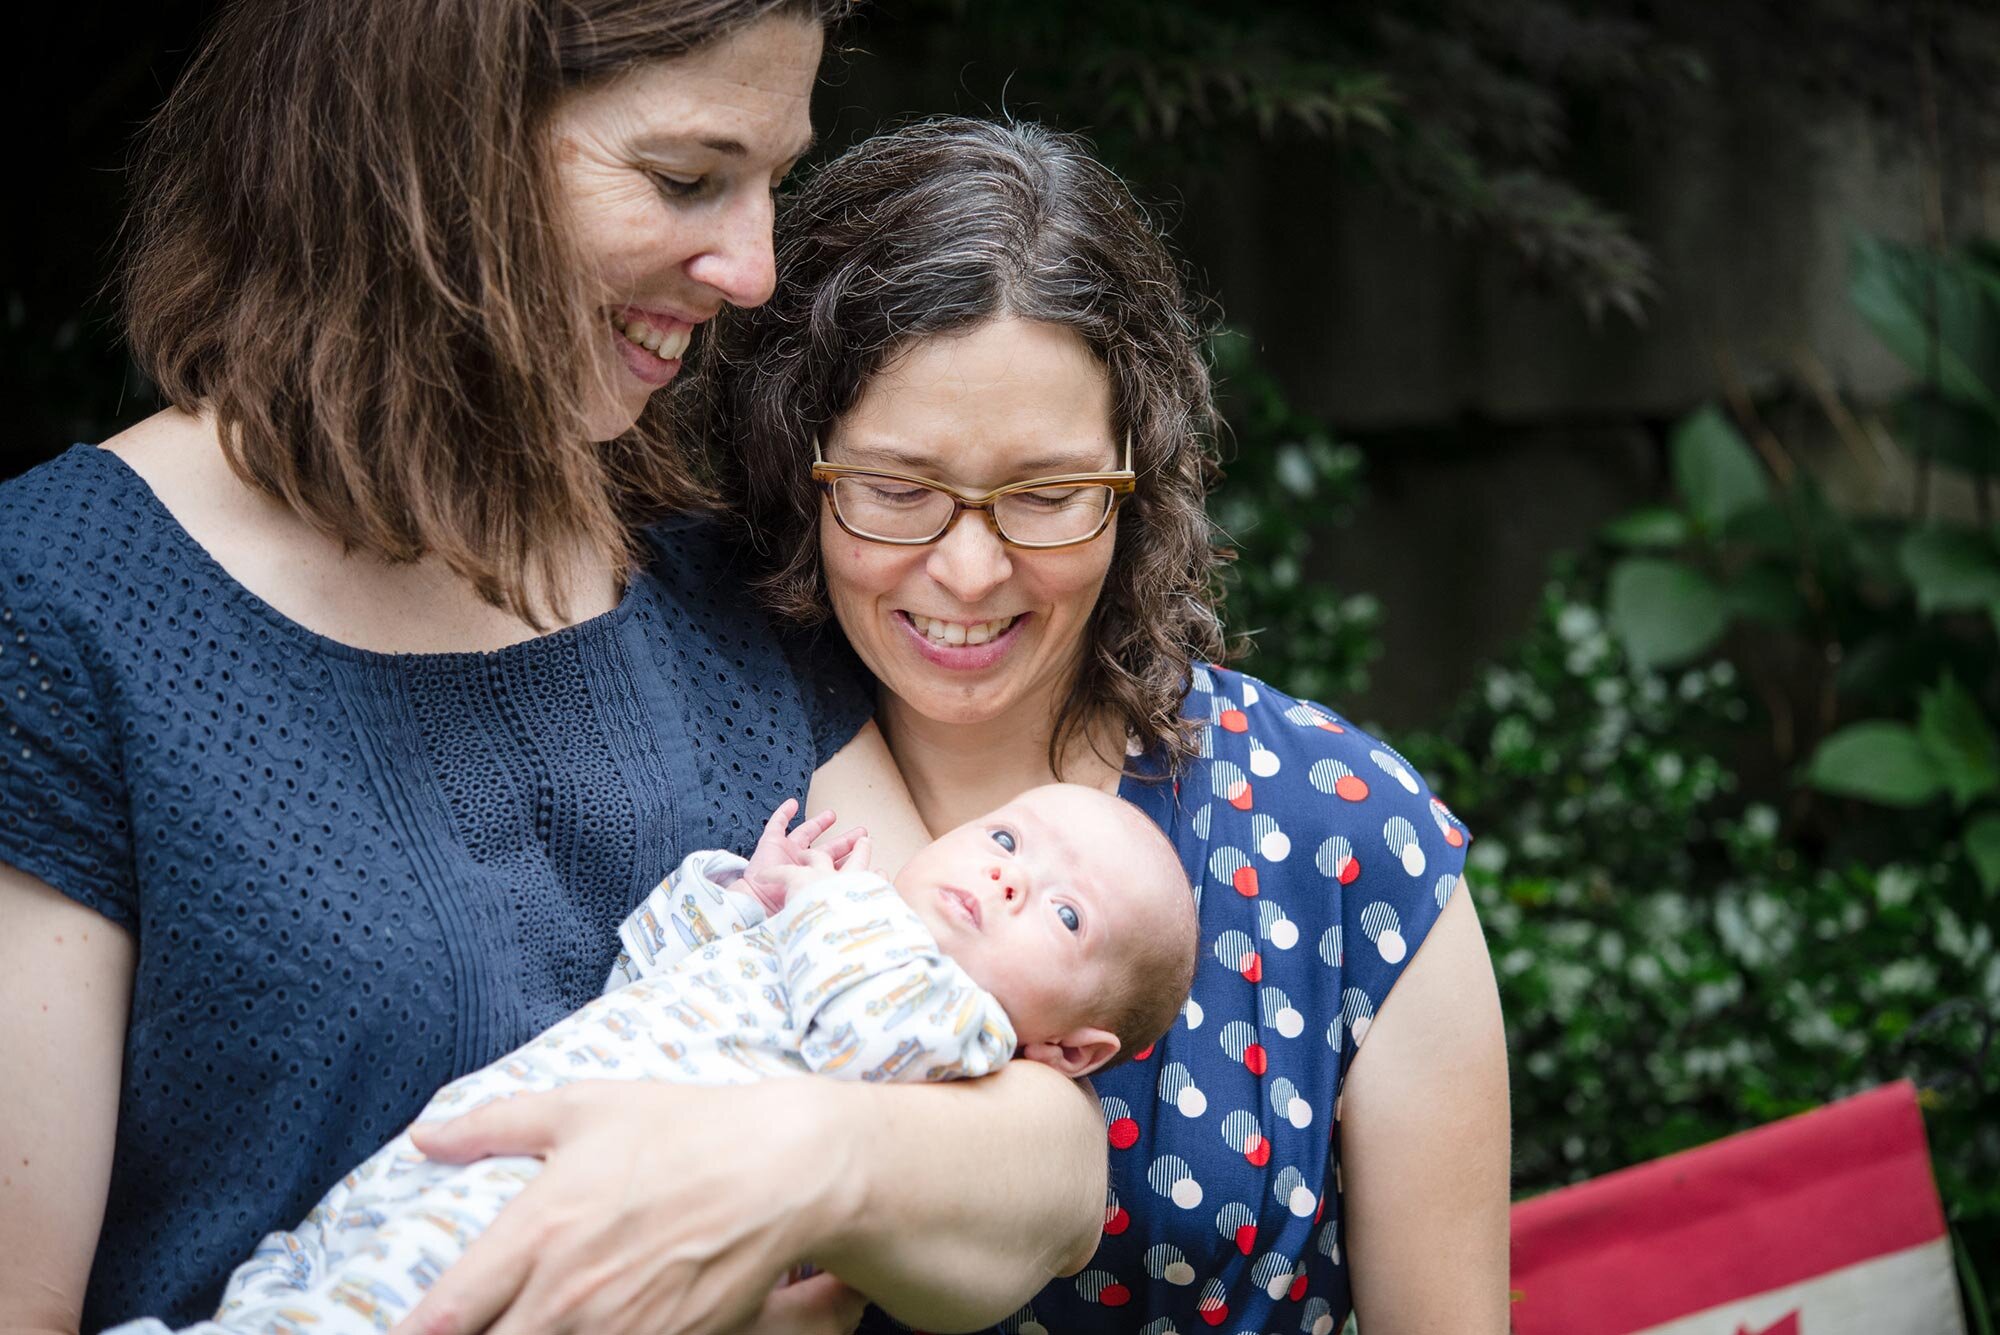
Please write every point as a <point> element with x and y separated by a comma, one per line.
<point>954,633</point>
<point>966,906</point>
<point>667,344</point>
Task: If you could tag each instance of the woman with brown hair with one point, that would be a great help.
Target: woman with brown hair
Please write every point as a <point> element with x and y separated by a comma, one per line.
<point>352,701</point>
<point>974,422</point>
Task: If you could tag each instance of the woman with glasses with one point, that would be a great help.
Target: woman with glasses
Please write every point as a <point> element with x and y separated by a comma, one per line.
<point>974,425</point>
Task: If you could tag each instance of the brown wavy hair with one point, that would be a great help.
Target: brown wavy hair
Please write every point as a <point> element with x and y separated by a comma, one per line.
<point>938,226</point>
<point>349,244</point>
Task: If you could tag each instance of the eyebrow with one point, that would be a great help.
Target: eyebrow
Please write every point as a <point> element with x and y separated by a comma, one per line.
<point>722,144</point>
<point>1047,464</point>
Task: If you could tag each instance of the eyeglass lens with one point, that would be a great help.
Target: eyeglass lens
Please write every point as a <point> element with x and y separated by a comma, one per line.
<point>905,511</point>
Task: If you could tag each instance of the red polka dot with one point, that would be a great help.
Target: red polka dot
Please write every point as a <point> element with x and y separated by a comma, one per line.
<point>1115,1295</point>
<point>1452,836</point>
<point>1123,1134</point>
<point>1349,870</point>
<point>1245,881</point>
<point>1258,1150</point>
<point>1233,720</point>
<point>1214,1312</point>
<point>1319,1211</point>
<point>1328,725</point>
<point>1246,1238</point>
<point>1255,1058</point>
<point>1351,788</point>
<point>1298,1288</point>
<point>1240,799</point>
<point>1143,1053</point>
<point>1253,967</point>
<point>1117,1221</point>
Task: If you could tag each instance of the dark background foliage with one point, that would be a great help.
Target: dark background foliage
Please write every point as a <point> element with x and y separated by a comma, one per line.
<point>1705,626</point>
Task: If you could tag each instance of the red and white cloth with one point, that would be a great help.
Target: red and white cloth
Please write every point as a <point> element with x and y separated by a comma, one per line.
<point>1827,1223</point>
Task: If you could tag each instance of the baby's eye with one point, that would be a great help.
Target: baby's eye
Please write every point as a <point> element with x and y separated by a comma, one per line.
<point>1069,918</point>
<point>1004,838</point>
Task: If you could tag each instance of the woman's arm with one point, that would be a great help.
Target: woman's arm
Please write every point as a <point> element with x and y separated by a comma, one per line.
<point>65,991</point>
<point>1424,1145</point>
<point>972,1195</point>
<point>950,1204</point>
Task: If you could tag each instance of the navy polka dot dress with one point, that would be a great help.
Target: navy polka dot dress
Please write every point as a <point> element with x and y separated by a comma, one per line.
<point>1320,860</point>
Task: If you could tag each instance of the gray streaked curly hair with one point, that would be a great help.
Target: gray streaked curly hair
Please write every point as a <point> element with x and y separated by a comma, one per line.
<point>934,228</point>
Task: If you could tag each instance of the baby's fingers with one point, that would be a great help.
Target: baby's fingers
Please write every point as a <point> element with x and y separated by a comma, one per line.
<point>775,827</point>
<point>857,857</point>
<point>809,831</point>
<point>841,846</point>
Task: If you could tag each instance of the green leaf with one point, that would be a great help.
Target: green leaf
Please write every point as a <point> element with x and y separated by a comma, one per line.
<point>1939,314</point>
<point>1960,741</point>
<point>1655,527</point>
<point>1664,612</point>
<point>1767,594</point>
<point>1877,762</point>
<point>1982,845</point>
<point>1951,568</point>
<point>1931,426</point>
<point>1715,470</point>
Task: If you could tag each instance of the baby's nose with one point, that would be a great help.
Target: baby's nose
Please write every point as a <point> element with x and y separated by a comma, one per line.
<point>1009,892</point>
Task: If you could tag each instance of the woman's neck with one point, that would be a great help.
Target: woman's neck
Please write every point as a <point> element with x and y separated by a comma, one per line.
<point>956,771</point>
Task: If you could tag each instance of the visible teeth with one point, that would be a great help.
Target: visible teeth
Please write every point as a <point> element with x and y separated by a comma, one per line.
<point>666,345</point>
<point>959,632</point>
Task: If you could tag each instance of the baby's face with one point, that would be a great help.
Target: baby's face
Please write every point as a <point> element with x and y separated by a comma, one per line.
<point>1038,901</point>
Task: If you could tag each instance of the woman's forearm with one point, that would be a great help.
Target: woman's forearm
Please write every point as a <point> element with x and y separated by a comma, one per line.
<point>965,1198</point>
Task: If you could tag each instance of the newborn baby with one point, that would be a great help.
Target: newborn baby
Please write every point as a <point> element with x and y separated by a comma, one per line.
<point>1060,927</point>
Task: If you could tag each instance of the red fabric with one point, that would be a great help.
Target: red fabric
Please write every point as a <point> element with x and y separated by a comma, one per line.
<point>1767,1208</point>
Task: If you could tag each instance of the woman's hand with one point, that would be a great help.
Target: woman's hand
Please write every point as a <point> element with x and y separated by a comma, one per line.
<point>638,1224</point>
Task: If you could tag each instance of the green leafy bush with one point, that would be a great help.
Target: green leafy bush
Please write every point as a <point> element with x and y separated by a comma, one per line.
<point>1736,794</point>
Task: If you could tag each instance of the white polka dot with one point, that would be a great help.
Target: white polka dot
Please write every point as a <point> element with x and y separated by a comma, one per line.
<point>1187,1193</point>
<point>1276,846</point>
<point>1323,1326</point>
<point>1249,692</point>
<point>1193,1012</point>
<point>1393,948</point>
<point>1413,859</point>
<point>1180,1272</point>
<point>1303,1202</point>
<point>1037,1328</point>
<point>1300,1114</point>
<point>1284,934</point>
<point>1358,1027</point>
<point>1290,1023</point>
<point>1263,763</point>
<point>1192,1102</point>
<point>1276,1288</point>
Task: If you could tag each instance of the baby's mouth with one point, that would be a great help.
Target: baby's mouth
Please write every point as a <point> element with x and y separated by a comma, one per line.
<point>964,903</point>
<point>955,633</point>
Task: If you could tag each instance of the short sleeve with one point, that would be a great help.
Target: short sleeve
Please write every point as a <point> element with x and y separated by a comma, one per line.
<point>1398,865</point>
<point>63,806</point>
<point>839,693</point>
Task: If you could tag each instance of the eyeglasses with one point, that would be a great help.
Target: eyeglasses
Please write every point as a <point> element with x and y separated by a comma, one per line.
<point>880,506</point>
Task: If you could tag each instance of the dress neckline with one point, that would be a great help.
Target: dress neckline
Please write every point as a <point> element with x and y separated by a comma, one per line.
<point>148,501</point>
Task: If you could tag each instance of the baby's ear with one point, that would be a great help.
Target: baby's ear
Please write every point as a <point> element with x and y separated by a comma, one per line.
<point>1075,1054</point>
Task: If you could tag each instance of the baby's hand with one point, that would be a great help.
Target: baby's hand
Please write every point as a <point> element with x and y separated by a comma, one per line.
<point>816,863</point>
<point>780,852</point>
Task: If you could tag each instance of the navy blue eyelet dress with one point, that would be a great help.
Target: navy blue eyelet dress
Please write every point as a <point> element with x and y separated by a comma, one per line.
<point>351,877</point>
